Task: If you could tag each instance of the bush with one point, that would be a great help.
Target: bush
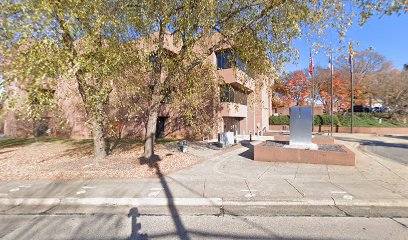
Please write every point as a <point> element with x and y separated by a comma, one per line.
<point>317,119</point>
<point>279,120</point>
<point>360,120</point>
<point>326,120</point>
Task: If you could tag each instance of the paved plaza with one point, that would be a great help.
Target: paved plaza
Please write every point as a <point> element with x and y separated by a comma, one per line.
<point>229,181</point>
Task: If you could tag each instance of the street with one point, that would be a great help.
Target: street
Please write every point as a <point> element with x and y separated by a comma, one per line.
<point>395,151</point>
<point>122,226</point>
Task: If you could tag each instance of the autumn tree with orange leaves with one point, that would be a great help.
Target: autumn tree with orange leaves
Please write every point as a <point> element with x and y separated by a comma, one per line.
<point>295,88</point>
<point>341,86</point>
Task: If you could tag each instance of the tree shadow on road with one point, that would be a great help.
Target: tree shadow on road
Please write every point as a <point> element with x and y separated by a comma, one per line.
<point>153,163</point>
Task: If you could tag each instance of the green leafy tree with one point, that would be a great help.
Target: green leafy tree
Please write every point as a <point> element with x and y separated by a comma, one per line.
<point>92,41</point>
<point>78,41</point>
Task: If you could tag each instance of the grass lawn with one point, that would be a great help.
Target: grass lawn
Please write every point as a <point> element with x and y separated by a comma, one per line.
<point>369,120</point>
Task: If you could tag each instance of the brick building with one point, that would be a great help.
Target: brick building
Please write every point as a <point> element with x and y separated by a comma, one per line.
<point>244,107</point>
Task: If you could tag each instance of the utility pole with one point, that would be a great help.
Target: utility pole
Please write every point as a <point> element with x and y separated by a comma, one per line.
<point>331,93</point>
<point>351,86</point>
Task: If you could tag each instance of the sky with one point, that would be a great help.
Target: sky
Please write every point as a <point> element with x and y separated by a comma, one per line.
<point>387,35</point>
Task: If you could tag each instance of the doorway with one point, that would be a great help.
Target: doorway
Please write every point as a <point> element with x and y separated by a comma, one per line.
<point>231,124</point>
<point>160,127</point>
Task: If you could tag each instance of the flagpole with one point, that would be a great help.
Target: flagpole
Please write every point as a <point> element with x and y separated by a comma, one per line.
<point>313,101</point>
<point>331,93</point>
<point>351,87</point>
<point>311,72</point>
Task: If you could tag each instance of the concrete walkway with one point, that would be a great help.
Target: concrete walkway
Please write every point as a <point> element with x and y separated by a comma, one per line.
<point>232,183</point>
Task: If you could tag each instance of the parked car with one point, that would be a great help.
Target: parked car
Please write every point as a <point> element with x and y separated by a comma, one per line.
<point>360,108</point>
<point>378,109</point>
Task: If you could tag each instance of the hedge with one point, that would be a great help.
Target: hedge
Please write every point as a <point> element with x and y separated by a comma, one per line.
<point>279,120</point>
<point>326,120</point>
<point>317,119</point>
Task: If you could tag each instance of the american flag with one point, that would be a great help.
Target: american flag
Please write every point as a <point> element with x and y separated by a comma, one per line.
<point>311,64</point>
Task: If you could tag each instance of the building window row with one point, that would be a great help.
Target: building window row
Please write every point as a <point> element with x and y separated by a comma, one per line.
<point>225,60</point>
<point>233,95</point>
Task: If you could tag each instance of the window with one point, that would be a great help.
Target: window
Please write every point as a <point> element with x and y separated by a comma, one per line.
<point>229,94</point>
<point>241,65</point>
<point>240,97</point>
<point>224,59</point>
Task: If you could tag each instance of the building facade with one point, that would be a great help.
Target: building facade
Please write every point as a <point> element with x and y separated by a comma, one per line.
<point>244,108</point>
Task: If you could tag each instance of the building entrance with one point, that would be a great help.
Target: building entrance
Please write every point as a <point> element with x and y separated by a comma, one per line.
<point>231,124</point>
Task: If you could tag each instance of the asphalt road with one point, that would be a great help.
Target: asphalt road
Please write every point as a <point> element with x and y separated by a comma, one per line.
<point>118,226</point>
<point>396,152</point>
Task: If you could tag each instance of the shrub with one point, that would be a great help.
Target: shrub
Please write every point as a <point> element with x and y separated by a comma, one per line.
<point>279,120</point>
<point>326,120</point>
<point>317,120</point>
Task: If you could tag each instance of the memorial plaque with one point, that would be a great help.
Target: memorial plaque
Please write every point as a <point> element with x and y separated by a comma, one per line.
<point>301,126</point>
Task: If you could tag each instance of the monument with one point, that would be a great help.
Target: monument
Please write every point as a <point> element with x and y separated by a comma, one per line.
<point>301,124</point>
<point>301,146</point>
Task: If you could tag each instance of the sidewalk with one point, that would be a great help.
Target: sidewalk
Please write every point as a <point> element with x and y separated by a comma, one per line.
<point>232,183</point>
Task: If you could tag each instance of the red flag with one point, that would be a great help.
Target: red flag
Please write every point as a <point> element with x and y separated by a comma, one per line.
<point>311,64</point>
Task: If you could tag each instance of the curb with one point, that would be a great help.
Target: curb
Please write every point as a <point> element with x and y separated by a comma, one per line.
<point>207,206</point>
<point>202,202</point>
<point>137,202</point>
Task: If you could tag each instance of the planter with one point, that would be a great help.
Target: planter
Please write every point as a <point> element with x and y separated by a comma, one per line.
<point>266,153</point>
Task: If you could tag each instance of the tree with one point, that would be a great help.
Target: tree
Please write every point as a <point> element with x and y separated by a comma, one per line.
<point>79,41</point>
<point>295,88</point>
<point>392,88</point>
<point>365,64</point>
<point>91,41</point>
<point>341,87</point>
<point>376,78</point>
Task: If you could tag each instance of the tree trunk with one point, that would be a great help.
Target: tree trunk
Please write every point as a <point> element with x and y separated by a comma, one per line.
<point>151,126</point>
<point>100,145</point>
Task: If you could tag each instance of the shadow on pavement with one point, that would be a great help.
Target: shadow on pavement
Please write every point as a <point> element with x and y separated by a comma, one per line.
<point>181,230</point>
<point>134,214</point>
<point>249,153</point>
<point>397,137</point>
<point>373,142</point>
<point>153,163</point>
